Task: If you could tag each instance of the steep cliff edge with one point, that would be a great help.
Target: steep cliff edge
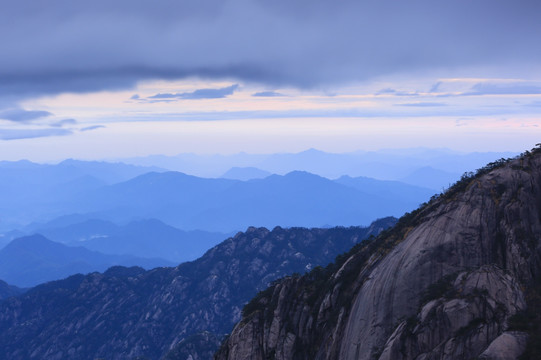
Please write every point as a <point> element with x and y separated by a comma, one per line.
<point>442,284</point>
<point>127,313</point>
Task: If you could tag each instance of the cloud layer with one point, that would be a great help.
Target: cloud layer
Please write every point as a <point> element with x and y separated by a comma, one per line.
<point>71,46</point>
<point>17,134</point>
<point>21,115</point>
<point>267,94</point>
<point>504,89</point>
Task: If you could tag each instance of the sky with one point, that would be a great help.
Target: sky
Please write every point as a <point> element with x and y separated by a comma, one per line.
<point>102,79</point>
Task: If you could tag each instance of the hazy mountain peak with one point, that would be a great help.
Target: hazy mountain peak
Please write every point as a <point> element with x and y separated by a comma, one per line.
<point>34,259</point>
<point>302,174</point>
<point>312,151</point>
<point>29,242</point>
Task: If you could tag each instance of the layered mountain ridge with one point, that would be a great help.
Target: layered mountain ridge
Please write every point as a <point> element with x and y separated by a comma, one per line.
<point>34,195</point>
<point>7,290</point>
<point>449,281</point>
<point>125,313</point>
<point>32,260</point>
<point>295,199</point>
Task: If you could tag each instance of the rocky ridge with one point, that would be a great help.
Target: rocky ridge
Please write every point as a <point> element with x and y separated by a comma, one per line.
<point>125,313</point>
<point>7,290</point>
<point>447,282</point>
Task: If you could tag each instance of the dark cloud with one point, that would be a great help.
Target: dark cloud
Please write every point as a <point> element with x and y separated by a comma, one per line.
<point>268,94</point>
<point>21,115</point>
<point>94,45</point>
<point>93,127</point>
<point>64,122</point>
<point>16,134</point>
<point>504,89</point>
<point>199,94</point>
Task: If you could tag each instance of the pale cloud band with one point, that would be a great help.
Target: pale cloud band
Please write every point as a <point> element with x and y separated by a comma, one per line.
<point>18,134</point>
<point>22,115</point>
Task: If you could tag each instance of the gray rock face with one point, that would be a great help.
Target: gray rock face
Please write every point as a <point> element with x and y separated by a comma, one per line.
<point>509,345</point>
<point>474,312</point>
<point>395,301</point>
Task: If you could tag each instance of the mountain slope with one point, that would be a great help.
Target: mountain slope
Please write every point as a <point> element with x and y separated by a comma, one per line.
<point>295,199</point>
<point>7,290</point>
<point>388,190</point>
<point>37,192</point>
<point>431,178</point>
<point>445,283</point>
<point>124,313</point>
<point>149,238</point>
<point>34,193</point>
<point>391,164</point>
<point>32,260</point>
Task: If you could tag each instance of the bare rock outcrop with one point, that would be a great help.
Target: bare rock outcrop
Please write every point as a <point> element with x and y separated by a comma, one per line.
<point>473,309</point>
<point>442,284</point>
<point>509,345</point>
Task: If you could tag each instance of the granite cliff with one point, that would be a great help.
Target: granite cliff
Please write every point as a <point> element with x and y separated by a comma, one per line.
<point>455,279</point>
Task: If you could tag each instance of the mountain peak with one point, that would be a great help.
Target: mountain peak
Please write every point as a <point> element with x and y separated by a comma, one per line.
<point>455,268</point>
<point>312,151</point>
<point>30,241</point>
<point>126,313</point>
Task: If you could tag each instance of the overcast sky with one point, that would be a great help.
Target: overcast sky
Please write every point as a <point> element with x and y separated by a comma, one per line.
<point>100,79</point>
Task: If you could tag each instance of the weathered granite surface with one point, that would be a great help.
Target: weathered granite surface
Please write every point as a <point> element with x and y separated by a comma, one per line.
<point>441,285</point>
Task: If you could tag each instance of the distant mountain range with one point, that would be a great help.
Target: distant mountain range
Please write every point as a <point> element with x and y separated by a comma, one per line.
<point>31,260</point>
<point>391,164</point>
<point>389,190</point>
<point>143,238</point>
<point>75,192</point>
<point>296,199</point>
<point>68,170</point>
<point>42,192</point>
<point>129,312</point>
<point>429,177</point>
<point>38,192</point>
